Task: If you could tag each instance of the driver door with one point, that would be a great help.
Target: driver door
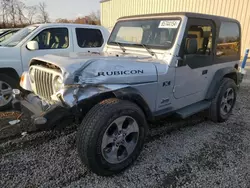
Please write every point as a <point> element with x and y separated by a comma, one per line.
<point>197,56</point>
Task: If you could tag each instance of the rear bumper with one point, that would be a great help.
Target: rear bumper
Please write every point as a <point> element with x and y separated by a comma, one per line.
<point>42,116</point>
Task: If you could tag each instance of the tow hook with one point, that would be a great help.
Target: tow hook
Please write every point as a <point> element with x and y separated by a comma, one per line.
<point>16,104</point>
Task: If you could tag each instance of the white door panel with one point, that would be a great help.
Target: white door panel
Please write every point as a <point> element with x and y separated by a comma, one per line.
<point>193,74</point>
<point>188,81</point>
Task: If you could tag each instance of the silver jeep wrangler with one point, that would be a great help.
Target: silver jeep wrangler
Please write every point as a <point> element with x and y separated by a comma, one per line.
<point>153,66</point>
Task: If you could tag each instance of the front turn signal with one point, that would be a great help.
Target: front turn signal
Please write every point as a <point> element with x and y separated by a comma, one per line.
<point>22,79</point>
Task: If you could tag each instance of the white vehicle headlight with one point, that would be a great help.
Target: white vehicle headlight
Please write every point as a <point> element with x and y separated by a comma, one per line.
<point>58,83</point>
<point>32,75</point>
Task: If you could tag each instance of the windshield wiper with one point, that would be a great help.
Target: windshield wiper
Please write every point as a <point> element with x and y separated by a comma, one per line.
<point>120,45</point>
<point>148,49</point>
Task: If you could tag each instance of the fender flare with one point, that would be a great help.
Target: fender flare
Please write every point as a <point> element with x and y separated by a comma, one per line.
<point>135,96</point>
<point>216,81</point>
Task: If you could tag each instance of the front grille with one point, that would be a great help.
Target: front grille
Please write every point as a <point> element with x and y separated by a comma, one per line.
<point>44,85</point>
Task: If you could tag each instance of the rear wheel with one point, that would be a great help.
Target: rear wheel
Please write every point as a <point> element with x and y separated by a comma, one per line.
<point>111,136</point>
<point>6,85</point>
<point>224,101</point>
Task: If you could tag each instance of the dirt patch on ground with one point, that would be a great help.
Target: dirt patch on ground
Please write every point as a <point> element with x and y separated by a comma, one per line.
<point>6,130</point>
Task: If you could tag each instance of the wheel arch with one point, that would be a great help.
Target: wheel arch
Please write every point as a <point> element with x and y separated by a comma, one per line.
<point>10,72</point>
<point>86,104</point>
<point>133,95</point>
<point>228,72</point>
<point>128,93</point>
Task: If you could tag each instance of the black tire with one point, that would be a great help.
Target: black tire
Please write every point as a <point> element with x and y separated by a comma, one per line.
<point>13,84</point>
<point>214,111</point>
<point>93,127</point>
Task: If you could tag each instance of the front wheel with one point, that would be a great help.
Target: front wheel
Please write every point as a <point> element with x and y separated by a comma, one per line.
<point>111,136</point>
<point>6,85</point>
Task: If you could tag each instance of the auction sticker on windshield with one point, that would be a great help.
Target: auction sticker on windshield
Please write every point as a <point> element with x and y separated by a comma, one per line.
<point>169,24</point>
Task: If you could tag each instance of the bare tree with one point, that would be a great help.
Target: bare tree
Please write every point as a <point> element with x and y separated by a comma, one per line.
<point>95,16</point>
<point>15,13</point>
<point>31,13</point>
<point>20,6</point>
<point>12,11</point>
<point>43,14</point>
<point>4,6</point>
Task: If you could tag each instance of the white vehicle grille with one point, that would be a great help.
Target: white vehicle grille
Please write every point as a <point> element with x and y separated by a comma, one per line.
<point>44,83</point>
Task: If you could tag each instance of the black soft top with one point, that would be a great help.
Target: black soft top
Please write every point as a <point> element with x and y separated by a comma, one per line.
<point>188,14</point>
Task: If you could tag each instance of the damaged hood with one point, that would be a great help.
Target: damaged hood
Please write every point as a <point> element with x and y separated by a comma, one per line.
<point>103,68</point>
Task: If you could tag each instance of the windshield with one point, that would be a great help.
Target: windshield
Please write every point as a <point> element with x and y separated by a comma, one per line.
<point>18,36</point>
<point>2,31</point>
<point>153,33</point>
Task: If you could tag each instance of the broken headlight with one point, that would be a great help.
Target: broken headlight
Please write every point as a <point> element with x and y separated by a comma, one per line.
<point>58,83</point>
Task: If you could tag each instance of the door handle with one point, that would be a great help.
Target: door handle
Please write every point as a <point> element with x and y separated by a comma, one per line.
<point>204,72</point>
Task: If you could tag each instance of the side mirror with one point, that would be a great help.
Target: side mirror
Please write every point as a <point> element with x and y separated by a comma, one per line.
<point>32,45</point>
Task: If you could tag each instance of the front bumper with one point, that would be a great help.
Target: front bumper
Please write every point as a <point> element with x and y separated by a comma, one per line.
<point>42,116</point>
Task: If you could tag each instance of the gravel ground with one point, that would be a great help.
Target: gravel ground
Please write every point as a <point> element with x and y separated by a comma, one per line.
<point>191,153</point>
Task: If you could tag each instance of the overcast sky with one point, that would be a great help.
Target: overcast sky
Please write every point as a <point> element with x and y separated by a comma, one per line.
<point>68,8</point>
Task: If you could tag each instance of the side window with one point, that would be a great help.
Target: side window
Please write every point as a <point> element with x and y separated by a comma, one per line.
<point>199,40</point>
<point>89,38</point>
<point>229,40</point>
<point>53,38</point>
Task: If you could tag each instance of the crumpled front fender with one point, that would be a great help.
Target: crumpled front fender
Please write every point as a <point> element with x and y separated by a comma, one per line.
<point>71,95</point>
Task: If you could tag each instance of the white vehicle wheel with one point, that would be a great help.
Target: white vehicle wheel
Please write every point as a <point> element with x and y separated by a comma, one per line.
<point>6,85</point>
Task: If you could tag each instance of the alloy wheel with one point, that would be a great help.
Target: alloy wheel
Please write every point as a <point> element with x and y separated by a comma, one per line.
<point>227,101</point>
<point>120,139</point>
<point>5,93</point>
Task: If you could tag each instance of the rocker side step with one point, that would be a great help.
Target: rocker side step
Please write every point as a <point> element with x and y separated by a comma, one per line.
<point>193,109</point>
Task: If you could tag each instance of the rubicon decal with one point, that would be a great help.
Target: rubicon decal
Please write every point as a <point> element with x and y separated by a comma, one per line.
<point>117,73</point>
